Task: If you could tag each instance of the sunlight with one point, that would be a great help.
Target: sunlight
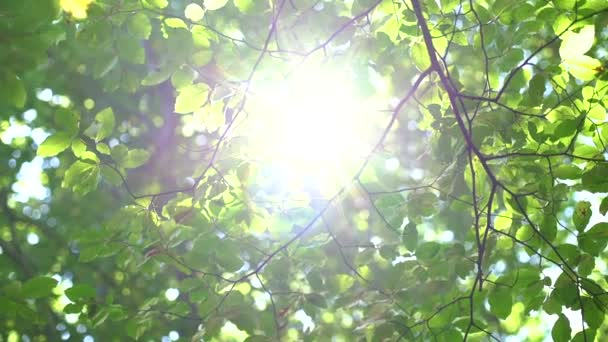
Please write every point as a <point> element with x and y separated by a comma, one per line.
<point>312,128</point>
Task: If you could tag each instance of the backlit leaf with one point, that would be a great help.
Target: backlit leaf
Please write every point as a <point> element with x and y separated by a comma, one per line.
<point>214,4</point>
<point>191,98</point>
<point>577,44</point>
<point>106,121</point>
<point>54,144</point>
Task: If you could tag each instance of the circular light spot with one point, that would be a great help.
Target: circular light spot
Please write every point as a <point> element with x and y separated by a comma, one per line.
<point>45,95</point>
<point>33,239</point>
<point>29,115</point>
<point>174,335</point>
<point>311,129</point>
<point>194,12</point>
<point>391,164</point>
<point>89,104</point>
<point>171,294</point>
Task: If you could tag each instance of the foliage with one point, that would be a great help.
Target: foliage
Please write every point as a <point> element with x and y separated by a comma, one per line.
<point>152,216</point>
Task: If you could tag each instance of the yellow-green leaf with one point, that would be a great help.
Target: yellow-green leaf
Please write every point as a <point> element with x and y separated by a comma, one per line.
<point>564,4</point>
<point>420,56</point>
<point>583,67</point>
<point>80,151</point>
<point>214,4</point>
<point>139,26</point>
<point>191,98</point>
<point>54,144</point>
<point>107,121</point>
<point>577,44</point>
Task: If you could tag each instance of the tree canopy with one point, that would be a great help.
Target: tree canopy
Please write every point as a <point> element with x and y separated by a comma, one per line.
<point>316,170</point>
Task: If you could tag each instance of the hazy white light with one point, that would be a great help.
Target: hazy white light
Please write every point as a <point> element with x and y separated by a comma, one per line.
<point>312,127</point>
<point>174,335</point>
<point>307,321</point>
<point>391,164</point>
<point>29,183</point>
<point>45,95</point>
<point>171,294</point>
<point>71,318</point>
<point>30,115</point>
<point>33,239</point>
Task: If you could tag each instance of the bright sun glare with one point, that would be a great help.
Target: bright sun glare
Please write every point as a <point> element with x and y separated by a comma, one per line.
<point>311,127</point>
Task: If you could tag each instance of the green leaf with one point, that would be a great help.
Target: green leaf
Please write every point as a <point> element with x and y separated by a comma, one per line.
<point>561,331</point>
<point>420,56</point>
<point>585,335</point>
<point>110,175</point>
<point>564,4</point>
<point>81,177</point>
<point>88,253</point>
<point>106,121</point>
<point>410,236</point>
<point>593,315</point>
<point>80,292</point>
<point>157,76</point>
<point>583,67</point>
<point>567,171</point>
<point>73,308</point>
<point>501,302</point>
<point>139,25</point>
<point>135,158</point>
<point>422,204</point>
<point>130,50</point>
<point>12,91</point>
<point>67,121</point>
<point>39,287</point>
<point>595,240</point>
<point>344,282</point>
<point>566,128</point>
<point>582,215</point>
<point>561,23</point>
<point>191,98</point>
<point>595,179</point>
<point>565,290</point>
<point>604,206</point>
<point>54,144</point>
<point>426,251</point>
<point>536,88</point>
<point>586,265</point>
<point>316,300</point>
<point>157,3</point>
<point>184,76</point>
<point>214,4</point>
<point>80,151</point>
<point>548,227</point>
<point>577,44</point>
<point>100,317</point>
<point>228,256</point>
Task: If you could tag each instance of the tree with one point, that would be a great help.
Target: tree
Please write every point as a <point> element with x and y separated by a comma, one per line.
<point>311,170</point>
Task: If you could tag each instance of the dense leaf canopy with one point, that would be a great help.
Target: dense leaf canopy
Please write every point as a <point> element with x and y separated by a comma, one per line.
<point>285,170</point>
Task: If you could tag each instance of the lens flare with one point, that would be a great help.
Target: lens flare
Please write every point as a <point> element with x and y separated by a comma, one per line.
<point>311,128</point>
